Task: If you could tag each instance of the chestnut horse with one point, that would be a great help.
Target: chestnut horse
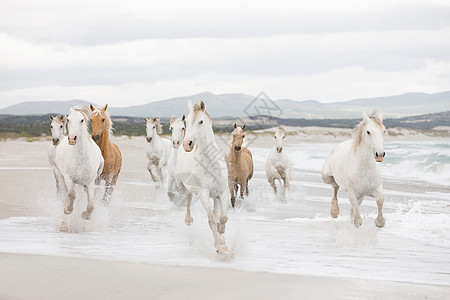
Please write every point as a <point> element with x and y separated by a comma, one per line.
<point>240,165</point>
<point>101,134</point>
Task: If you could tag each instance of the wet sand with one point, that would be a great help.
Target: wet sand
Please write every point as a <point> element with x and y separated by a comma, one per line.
<point>27,190</point>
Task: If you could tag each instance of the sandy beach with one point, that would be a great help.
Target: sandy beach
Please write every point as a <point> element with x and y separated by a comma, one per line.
<point>140,248</point>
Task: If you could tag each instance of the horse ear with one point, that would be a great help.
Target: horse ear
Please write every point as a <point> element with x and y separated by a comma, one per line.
<point>183,118</point>
<point>235,126</point>
<point>377,114</point>
<point>146,120</point>
<point>106,106</point>
<point>365,117</point>
<point>202,105</point>
<point>172,120</point>
<point>190,106</point>
<point>50,117</point>
<point>92,107</point>
<point>243,127</point>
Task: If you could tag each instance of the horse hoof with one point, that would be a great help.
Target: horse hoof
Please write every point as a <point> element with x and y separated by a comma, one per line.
<point>188,221</point>
<point>67,211</point>
<point>357,222</point>
<point>334,211</point>
<point>222,250</point>
<point>380,222</point>
<point>233,202</point>
<point>221,228</point>
<point>86,215</point>
<point>63,227</point>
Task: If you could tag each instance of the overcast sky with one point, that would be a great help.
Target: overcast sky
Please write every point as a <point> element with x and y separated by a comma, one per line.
<point>133,52</point>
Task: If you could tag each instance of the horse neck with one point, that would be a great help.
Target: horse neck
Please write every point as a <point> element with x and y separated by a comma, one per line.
<point>206,139</point>
<point>363,152</point>
<point>104,140</point>
<point>83,142</point>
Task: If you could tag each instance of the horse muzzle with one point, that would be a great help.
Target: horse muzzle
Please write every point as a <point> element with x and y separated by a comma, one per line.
<point>188,146</point>
<point>72,139</point>
<point>176,144</point>
<point>96,138</point>
<point>279,149</point>
<point>149,139</point>
<point>237,148</point>
<point>55,142</point>
<point>379,156</point>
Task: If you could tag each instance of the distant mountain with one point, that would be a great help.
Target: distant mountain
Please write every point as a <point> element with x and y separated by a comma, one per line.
<point>41,107</point>
<point>241,105</point>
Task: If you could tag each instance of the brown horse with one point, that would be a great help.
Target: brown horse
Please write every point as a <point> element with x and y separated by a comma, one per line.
<point>240,165</point>
<point>101,134</point>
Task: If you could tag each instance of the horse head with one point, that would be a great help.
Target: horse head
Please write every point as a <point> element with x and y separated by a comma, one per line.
<point>198,123</point>
<point>280,134</point>
<point>153,128</point>
<point>238,137</point>
<point>58,128</point>
<point>177,127</point>
<point>370,132</point>
<point>77,123</point>
<point>100,122</point>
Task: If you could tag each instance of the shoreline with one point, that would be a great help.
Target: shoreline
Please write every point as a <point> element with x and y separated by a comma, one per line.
<point>52,277</point>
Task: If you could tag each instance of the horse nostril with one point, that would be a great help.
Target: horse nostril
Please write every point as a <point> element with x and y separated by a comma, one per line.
<point>376,154</point>
<point>190,143</point>
<point>384,154</point>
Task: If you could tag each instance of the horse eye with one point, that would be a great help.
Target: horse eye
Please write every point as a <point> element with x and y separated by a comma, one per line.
<point>284,137</point>
<point>154,127</point>
<point>82,121</point>
<point>243,136</point>
<point>103,120</point>
<point>51,126</point>
<point>60,126</point>
<point>170,128</point>
<point>368,132</point>
<point>182,128</point>
<point>201,122</point>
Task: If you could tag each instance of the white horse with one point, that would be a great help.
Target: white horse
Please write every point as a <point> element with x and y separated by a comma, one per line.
<point>79,159</point>
<point>58,129</point>
<point>174,187</point>
<point>158,149</point>
<point>352,166</point>
<point>205,174</point>
<point>278,165</point>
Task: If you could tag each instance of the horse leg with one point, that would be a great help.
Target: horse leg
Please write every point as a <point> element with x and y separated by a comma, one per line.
<point>90,206</point>
<point>149,168</point>
<point>242,186</point>
<point>334,211</point>
<point>354,201</point>
<point>380,221</point>
<point>231,187</point>
<point>223,215</point>
<point>246,188</point>
<point>188,219</point>
<point>71,192</point>
<point>170,188</point>
<point>219,242</point>
<point>273,185</point>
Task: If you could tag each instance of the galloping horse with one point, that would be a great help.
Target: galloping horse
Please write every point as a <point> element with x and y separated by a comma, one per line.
<point>205,173</point>
<point>278,165</point>
<point>59,130</point>
<point>174,187</point>
<point>240,165</point>
<point>158,149</point>
<point>352,166</point>
<point>79,159</point>
<point>101,134</point>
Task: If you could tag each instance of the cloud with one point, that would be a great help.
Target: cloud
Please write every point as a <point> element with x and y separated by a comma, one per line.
<point>139,51</point>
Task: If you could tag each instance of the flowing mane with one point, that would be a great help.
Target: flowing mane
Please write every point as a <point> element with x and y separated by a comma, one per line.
<point>359,129</point>
<point>157,122</point>
<point>83,109</point>
<point>108,121</point>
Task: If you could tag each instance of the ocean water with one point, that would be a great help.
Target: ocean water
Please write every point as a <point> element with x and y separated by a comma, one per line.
<point>297,236</point>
